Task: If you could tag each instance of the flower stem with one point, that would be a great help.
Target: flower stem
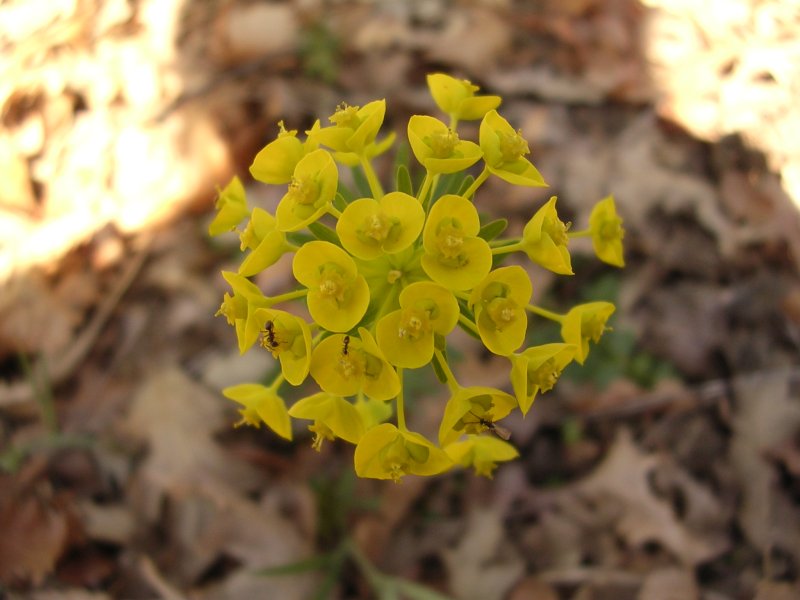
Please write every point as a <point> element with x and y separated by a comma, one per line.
<point>453,122</point>
<point>423,190</point>
<point>277,383</point>
<point>547,314</point>
<point>578,234</point>
<point>401,413</point>
<point>504,242</point>
<point>469,324</point>
<point>484,175</point>
<point>451,379</point>
<point>334,211</point>
<point>372,179</point>
<point>287,296</point>
<point>507,249</point>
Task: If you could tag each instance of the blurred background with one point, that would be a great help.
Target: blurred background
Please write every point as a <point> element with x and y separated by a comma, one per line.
<point>667,468</point>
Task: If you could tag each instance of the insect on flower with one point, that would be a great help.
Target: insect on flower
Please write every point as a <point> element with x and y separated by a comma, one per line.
<point>268,340</point>
<point>345,345</point>
<point>498,430</point>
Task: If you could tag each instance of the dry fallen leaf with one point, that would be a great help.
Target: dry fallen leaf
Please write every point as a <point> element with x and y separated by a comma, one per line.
<point>669,584</point>
<point>624,478</point>
<point>481,566</point>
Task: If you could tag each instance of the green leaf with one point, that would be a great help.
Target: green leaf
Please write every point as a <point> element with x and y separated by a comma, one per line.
<point>415,591</point>
<point>324,233</point>
<point>492,229</point>
<point>403,180</point>
<point>315,563</point>
<point>299,238</point>
<point>437,368</point>
<point>340,202</point>
<point>362,185</point>
<point>345,192</point>
<point>468,181</point>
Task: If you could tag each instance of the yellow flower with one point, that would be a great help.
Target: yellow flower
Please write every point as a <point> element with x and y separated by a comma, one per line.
<point>473,410</point>
<point>438,148</point>
<point>607,232</point>
<point>276,162</point>
<point>499,303</point>
<point>481,452</point>
<point>371,150</point>
<point>311,191</point>
<point>338,296</point>
<point>266,243</point>
<point>454,254</point>
<point>504,152</point>
<point>545,240</point>
<point>240,309</point>
<point>333,416</point>
<point>406,336</point>
<point>585,323</point>
<point>369,228</point>
<point>537,369</point>
<point>231,208</point>
<point>345,365</point>
<point>385,452</point>
<point>288,338</point>
<point>261,404</point>
<point>456,97</point>
<point>354,128</point>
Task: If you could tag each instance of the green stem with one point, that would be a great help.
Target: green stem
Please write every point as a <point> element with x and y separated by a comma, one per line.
<point>290,247</point>
<point>547,314</point>
<point>453,122</point>
<point>277,383</point>
<point>287,296</point>
<point>469,325</point>
<point>507,249</point>
<point>423,190</point>
<point>504,242</point>
<point>372,179</point>
<point>461,295</point>
<point>427,203</point>
<point>477,183</point>
<point>579,234</point>
<point>334,211</point>
<point>452,383</point>
<point>401,413</point>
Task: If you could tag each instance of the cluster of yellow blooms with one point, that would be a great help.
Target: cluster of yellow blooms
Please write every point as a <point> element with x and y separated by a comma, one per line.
<point>397,274</point>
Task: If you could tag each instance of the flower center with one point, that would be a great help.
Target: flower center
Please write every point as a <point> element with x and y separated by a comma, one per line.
<point>232,308</point>
<point>450,241</point>
<point>350,366</point>
<point>513,146</point>
<point>414,324</point>
<point>346,116</point>
<point>612,229</point>
<point>502,311</point>
<point>593,327</point>
<point>303,190</point>
<point>443,143</point>
<point>321,433</point>
<point>544,376</point>
<point>556,229</point>
<point>332,283</point>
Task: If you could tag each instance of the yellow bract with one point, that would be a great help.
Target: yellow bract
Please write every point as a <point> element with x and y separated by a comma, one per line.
<point>275,163</point>
<point>537,369</point>
<point>607,232</point>
<point>369,228</point>
<point>499,303</point>
<point>386,452</point>
<point>354,128</point>
<point>333,417</point>
<point>585,323</point>
<point>261,404</point>
<point>288,338</point>
<point>454,254</point>
<point>481,452</point>
<point>266,243</point>
<point>406,336</point>
<point>338,296</point>
<point>504,152</point>
<point>545,240</point>
<point>438,148</point>
<point>241,308</point>
<point>311,191</point>
<point>456,97</point>
<point>473,410</point>
<point>345,365</point>
<point>231,208</point>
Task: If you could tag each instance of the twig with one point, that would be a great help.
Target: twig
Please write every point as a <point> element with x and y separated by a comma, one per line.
<point>63,365</point>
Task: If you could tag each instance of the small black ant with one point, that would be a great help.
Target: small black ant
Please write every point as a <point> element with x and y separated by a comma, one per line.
<point>269,334</point>
<point>345,345</point>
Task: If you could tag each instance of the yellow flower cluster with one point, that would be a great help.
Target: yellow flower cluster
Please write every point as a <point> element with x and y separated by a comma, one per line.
<point>394,277</point>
